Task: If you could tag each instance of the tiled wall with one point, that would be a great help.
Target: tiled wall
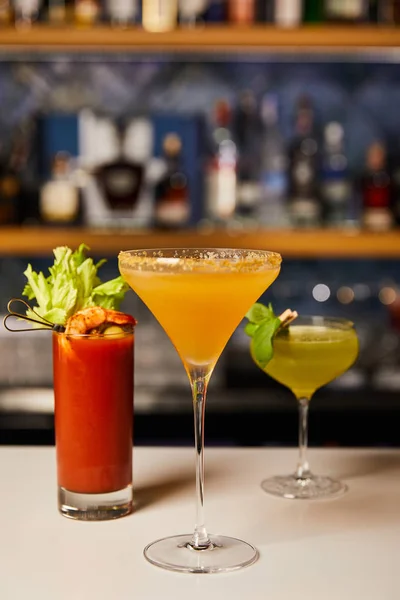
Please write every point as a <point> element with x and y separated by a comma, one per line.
<point>362,92</point>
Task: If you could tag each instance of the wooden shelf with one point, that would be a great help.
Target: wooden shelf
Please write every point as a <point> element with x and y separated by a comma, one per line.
<point>36,241</point>
<point>208,39</point>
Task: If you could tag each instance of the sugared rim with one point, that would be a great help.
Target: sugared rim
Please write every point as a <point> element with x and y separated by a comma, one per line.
<point>199,259</point>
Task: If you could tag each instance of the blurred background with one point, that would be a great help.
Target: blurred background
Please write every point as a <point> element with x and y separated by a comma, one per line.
<point>268,124</point>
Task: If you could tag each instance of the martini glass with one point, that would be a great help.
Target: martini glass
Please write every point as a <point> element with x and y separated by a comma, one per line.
<point>307,355</point>
<point>199,296</point>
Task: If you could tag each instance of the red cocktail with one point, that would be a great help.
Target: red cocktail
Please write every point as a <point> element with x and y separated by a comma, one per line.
<point>93,385</point>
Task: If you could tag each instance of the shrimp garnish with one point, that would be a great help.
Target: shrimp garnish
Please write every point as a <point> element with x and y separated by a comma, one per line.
<point>94,317</point>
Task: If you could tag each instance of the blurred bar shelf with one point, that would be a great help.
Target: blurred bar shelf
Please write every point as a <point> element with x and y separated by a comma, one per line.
<point>203,39</point>
<point>321,243</point>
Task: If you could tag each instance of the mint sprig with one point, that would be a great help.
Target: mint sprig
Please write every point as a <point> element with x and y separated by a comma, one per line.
<point>73,284</point>
<point>262,327</point>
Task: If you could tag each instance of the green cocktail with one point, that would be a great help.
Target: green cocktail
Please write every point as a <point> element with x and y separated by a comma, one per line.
<point>307,355</point>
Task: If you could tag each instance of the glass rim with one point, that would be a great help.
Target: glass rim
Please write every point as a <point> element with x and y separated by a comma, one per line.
<point>340,322</point>
<point>96,336</point>
<point>273,259</point>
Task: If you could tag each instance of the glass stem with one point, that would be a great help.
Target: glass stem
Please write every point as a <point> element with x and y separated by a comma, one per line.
<point>200,539</point>
<point>303,468</point>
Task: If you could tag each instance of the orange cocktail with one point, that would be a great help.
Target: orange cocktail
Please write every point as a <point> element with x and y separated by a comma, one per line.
<point>199,303</point>
<point>93,385</point>
<point>199,296</point>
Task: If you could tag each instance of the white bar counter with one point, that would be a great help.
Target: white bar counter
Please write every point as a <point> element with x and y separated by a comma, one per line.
<point>342,549</point>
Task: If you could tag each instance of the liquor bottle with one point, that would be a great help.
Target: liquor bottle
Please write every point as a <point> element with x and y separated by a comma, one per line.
<point>221,177</point>
<point>216,11</point>
<point>5,13</point>
<point>376,11</point>
<point>87,12</point>
<point>305,207</point>
<point>376,190</point>
<point>313,11</point>
<point>346,11</point>
<point>59,202</point>
<point>247,127</point>
<point>388,11</point>
<point>122,12</point>
<point>394,12</point>
<point>335,180</point>
<point>288,13</point>
<point>272,211</point>
<point>260,11</point>
<point>57,12</point>
<point>60,12</point>
<point>172,202</point>
<point>10,189</point>
<point>159,15</point>
<point>396,190</point>
<point>264,11</point>
<point>120,170</point>
<point>120,180</point>
<point>191,12</point>
<point>241,12</point>
<point>18,186</point>
<point>26,12</point>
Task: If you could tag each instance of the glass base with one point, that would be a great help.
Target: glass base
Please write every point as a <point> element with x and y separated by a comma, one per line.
<point>224,554</point>
<point>95,507</point>
<point>309,488</point>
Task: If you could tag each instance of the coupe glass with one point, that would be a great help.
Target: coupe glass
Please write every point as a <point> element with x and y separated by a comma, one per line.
<point>199,296</point>
<point>307,355</point>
